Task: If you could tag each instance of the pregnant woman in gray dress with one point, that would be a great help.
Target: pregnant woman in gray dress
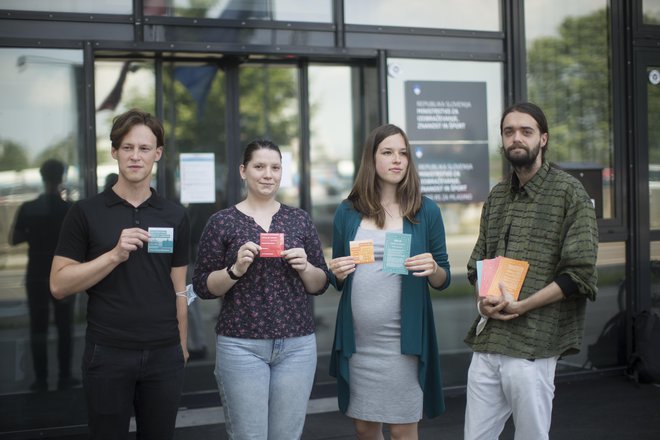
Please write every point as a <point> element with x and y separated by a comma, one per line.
<point>385,355</point>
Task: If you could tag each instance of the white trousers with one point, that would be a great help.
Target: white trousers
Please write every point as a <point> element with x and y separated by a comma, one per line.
<point>500,386</point>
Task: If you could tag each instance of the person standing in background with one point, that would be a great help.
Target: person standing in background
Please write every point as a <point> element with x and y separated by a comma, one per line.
<point>385,353</point>
<point>266,342</point>
<point>544,216</point>
<point>38,223</point>
<point>129,249</point>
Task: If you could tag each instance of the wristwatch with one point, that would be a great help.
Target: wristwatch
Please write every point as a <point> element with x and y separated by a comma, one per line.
<point>231,273</point>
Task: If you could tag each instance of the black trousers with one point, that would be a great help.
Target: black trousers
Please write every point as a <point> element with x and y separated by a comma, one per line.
<point>119,381</point>
<point>39,300</point>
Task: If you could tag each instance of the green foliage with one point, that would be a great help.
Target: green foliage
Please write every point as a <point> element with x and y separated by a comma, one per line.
<point>569,77</point>
<point>192,130</point>
<point>12,156</point>
<point>268,99</point>
<point>196,8</point>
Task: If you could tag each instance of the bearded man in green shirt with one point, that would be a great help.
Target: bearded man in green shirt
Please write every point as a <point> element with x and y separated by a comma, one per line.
<point>544,216</point>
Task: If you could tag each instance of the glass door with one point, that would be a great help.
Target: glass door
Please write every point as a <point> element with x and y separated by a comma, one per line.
<point>648,180</point>
<point>450,111</point>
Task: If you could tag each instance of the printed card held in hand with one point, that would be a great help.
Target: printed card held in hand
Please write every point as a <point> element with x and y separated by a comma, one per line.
<point>272,245</point>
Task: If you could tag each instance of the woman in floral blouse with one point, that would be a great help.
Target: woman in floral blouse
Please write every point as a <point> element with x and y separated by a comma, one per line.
<point>265,348</point>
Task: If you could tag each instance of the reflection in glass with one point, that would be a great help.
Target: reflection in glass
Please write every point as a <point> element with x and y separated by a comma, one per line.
<point>568,76</point>
<point>76,6</point>
<point>332,167</point>
<point>319,11</point>
<point>603,344</point>
<point>443,14</point>
<point>459,218</point>
<point>194,102</point>
<point>40,105</point>
<point>655,276</point>
<point>653,99</point>
<point>651,11</point>
<point>332,171</point>
<point>269,109</point>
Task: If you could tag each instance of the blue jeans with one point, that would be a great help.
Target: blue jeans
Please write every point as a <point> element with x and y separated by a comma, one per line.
<point>119,381</point>
<point>265,385</point>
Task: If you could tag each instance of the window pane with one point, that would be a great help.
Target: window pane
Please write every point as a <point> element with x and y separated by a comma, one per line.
<point>120,86</point>
<point>655,276</point>
<point>194,101</point>
<point>568,76</point>
<point>319,11</point>
<point>441,14</point>
<point>269,109</point>
<point>450,111</point>
<point>89,6</point>
<point>653,99</point>
<point>604,333</point>
<point>331,143</point>
<point>39,120</point>
<point>332,171</point>
<point>651,11</point>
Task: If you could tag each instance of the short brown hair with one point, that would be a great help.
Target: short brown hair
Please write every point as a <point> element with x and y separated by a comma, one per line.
<point>365,195</point>
<point>124,122</point>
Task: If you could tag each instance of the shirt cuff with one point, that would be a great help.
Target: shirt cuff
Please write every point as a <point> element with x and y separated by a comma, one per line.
<point>483,319</point>
<point>567,285</point>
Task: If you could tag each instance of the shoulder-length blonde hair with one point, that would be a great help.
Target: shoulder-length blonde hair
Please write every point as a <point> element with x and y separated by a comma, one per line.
<point>365,194</point>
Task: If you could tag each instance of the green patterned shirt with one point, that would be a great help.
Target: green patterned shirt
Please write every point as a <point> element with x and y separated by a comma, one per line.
<point>549,222</point>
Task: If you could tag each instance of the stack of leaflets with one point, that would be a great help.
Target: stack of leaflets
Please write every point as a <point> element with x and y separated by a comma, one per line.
<point>511,273</point>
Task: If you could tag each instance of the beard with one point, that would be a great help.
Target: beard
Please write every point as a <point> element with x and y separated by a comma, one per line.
<point>520,160</point>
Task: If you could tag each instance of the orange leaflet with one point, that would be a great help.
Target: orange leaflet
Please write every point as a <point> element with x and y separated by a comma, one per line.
<point>362,251</point>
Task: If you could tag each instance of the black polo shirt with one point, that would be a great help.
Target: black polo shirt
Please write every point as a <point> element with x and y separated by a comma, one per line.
<point>134,306</point>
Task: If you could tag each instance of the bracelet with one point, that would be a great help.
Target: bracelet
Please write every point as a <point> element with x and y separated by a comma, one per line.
<point>182,293</point>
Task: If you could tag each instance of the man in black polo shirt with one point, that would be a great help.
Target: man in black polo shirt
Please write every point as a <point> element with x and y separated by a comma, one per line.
<point>128,248</point>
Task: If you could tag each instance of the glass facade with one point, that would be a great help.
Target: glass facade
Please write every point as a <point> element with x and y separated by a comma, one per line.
<point>651,11</point>
<point>41,111</point>
<point>120,85</point>
<point>569,76</point>
<point>269,108</point>
<point>289,71</point>
<point>443,14</point>
<point>77,6</point>
<point>653,93</point>
<point>431,99</point>
<point>275,10</point>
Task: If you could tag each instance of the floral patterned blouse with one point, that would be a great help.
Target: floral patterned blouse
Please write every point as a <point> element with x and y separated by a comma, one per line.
<point>270,300</point>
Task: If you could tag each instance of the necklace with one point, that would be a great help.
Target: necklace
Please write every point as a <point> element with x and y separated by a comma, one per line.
<point>387,212</point>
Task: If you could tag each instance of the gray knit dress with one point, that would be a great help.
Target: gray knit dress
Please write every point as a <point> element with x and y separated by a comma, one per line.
<point>383,382</point>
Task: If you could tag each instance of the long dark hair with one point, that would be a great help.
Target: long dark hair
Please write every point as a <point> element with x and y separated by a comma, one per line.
<point>365,194</point>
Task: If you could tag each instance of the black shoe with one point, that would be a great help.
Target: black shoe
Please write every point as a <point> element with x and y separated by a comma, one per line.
<point>39,386</point>
<point>66,383</point>
<point>197,354</point>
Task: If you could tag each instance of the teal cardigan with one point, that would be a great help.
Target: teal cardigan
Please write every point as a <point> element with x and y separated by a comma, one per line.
<point>417,327</point>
